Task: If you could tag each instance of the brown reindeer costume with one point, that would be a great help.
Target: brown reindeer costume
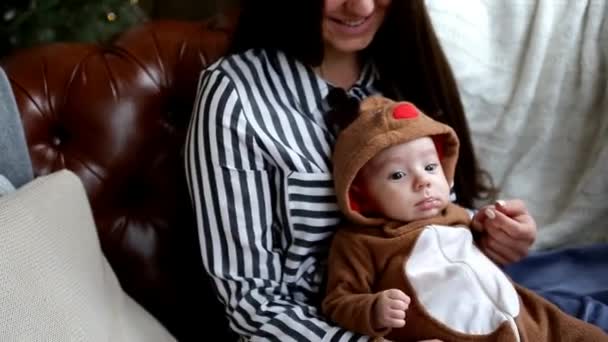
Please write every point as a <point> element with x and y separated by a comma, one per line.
<point>457,293</point>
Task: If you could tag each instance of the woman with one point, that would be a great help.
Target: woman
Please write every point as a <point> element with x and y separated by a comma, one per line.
<point>259,145</point>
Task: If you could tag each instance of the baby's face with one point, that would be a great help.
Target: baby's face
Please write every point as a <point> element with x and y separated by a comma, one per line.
<point>405,182</point>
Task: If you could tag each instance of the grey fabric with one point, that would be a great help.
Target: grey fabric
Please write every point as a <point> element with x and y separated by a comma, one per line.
<point>15,162</point>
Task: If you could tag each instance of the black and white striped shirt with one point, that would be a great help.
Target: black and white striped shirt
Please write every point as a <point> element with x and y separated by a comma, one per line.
<point>258,158</point>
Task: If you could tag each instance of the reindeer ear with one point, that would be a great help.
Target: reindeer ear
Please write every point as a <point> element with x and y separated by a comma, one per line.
<point>344,109</point>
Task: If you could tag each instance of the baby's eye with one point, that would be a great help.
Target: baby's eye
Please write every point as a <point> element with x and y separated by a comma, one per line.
<point>397,175</point>
<point>431,167</point>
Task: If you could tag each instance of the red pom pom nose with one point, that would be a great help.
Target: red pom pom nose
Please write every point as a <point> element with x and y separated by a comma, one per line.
<point>405,111</point>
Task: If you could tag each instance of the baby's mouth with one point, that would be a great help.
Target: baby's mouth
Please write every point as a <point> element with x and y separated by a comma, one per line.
<point>428,203</point>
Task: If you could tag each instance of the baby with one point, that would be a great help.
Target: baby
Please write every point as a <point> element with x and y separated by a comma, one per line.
<point>408,250</point>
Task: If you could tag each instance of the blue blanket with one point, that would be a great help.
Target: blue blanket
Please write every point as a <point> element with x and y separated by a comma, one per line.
<point>15,163</point>
<point>575,279</point>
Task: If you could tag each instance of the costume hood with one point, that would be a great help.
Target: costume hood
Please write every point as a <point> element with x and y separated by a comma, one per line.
<point>382,123</point>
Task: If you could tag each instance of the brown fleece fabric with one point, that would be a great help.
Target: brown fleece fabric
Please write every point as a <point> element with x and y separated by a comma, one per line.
<point>369,255</point>
<point>358,253</point>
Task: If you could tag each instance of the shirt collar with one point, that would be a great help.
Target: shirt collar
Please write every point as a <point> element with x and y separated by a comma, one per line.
<point>314,88</point>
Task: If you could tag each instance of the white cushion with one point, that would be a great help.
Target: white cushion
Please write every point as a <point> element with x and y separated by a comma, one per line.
<point>55,283</point>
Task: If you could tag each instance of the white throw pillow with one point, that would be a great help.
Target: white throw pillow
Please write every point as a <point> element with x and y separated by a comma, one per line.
<point>55,283</point>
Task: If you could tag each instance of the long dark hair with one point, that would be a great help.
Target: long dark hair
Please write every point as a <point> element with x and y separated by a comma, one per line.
<point>407,55</point>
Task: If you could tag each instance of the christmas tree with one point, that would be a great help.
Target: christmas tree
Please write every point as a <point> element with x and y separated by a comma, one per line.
<point>25,23</point>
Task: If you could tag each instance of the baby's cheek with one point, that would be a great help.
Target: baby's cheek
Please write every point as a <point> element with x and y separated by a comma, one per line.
<point>396,200</point>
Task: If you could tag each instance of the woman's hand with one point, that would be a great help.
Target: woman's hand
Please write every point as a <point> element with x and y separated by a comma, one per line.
<point>508,231</point>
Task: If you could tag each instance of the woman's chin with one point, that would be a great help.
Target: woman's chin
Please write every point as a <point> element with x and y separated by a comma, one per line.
<point>348,46</point>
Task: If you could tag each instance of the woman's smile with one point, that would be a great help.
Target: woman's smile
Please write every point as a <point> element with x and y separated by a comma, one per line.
<point>351,26</point>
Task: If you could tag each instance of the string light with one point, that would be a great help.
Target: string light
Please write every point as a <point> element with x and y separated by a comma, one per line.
<point>18,24</point>
<point>10,14</point>
<point>111,16</point>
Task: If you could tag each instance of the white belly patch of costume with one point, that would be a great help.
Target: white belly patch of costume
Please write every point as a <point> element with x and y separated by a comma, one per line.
<point>457,284</point>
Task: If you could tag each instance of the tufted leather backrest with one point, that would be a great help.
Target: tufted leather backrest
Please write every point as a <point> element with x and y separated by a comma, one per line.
<point>117,116</point>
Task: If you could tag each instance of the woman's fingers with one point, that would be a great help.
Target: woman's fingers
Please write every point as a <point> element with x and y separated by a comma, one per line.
<point>478,220</point>
<point>521,228</point>
<point>494,256</point>
<point>512,208</point>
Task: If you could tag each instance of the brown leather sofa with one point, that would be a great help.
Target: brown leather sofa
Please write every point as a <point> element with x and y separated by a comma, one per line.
<point>117,116</point>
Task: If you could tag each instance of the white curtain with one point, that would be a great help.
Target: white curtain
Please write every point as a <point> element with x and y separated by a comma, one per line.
<point>533,78</point>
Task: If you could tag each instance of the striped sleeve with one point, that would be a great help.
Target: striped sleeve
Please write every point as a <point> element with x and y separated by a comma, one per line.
<point>233,192</point>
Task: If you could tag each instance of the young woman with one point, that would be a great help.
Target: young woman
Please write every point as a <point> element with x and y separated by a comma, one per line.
<point>260,140</point>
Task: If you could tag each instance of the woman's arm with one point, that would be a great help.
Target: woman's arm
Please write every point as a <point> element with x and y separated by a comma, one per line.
<point>234,195</point>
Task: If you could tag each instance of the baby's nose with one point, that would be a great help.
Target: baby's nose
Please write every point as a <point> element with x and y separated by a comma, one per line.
<point>422,182</point>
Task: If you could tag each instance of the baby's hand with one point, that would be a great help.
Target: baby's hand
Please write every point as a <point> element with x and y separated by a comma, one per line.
<point>389,309</point>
